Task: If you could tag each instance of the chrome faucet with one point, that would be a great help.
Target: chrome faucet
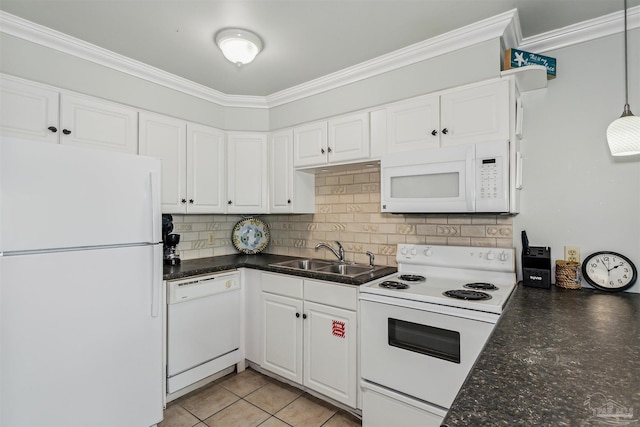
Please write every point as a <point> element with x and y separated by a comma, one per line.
<point>339,253</point>
<point>372,257</point>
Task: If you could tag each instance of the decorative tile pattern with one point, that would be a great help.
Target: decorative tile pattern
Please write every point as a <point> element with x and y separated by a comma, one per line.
<point>348,210</point>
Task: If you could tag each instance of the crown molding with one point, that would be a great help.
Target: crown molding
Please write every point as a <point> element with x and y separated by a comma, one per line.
<point>603,26</point>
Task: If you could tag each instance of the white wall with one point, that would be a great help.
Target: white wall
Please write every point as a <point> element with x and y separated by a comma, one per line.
<point>575,192</point>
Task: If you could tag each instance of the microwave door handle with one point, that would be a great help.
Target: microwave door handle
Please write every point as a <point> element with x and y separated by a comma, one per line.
<point>470,181</point>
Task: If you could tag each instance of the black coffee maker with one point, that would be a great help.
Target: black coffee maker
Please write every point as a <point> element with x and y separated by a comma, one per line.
<point>171,256</point>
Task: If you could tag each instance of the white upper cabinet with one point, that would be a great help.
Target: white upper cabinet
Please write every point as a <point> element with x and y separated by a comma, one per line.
<point>247,173</point>
<point>95,123</point>
<point>466,115</point>
<point>339,140</point>
<point>165,138</point>
<point>31,111</point>
<point>290,191</point>
<point>28,111</point>
<point>206,170</point>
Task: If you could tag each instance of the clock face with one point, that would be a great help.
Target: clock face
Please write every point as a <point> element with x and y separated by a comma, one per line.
<point>609,271</point>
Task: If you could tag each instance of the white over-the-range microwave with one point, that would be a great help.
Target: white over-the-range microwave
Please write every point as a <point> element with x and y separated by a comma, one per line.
<point>474,178</point>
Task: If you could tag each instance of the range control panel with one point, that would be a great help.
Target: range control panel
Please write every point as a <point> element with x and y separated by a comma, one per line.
<point>477,258</point>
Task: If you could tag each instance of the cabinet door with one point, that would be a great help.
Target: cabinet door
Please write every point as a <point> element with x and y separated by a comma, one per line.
<point>281,172</point>
<point>310,144</point>
<point>412,125</point>
<point>247,179</point>
<point>475,114</point>
<point>165,138</point>
<point>282,336</point>
<point>95,123</point>
<point>330,352</point>
<point>28,112</point>
<point>252,314</point>
<point>349,138</point>
<point>205,169</point>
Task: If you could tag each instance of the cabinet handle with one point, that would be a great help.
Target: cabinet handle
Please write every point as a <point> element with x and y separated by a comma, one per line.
<point>66,131</point>
<point>191,201</point>
<point>183,201</point>
<point>304,316</point>
<point>289,201</point>
<point>329,149</point>
<point>229,202</point>
<point>297,314</point>
<point>445,131</point>
<point>434,132</point>
<point>322,151</point>
<point>53,129</point>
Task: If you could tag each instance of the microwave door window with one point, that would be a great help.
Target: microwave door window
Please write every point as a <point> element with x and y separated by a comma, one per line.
<point>429,186</point>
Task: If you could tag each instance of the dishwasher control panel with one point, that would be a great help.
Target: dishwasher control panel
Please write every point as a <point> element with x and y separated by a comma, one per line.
<point>202,286</point>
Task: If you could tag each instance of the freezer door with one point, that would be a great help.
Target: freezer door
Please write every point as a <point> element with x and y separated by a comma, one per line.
<point>55,196</point>
<point>80,344</point>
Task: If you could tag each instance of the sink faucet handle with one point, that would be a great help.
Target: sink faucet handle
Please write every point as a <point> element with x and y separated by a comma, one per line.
<point>340,251</point>
<point>372,257</point>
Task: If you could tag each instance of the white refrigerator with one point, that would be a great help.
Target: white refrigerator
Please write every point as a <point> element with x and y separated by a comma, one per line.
<point>80,283</point>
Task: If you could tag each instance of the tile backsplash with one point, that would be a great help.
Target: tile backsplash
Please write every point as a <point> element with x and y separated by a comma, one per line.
<point>347,210</point>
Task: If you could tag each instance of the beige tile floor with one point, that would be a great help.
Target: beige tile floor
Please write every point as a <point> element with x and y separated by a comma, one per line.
<point>250,399</point>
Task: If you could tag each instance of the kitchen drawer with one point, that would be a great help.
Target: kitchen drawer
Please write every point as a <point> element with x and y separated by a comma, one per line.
<point>281,284</point>
<point>332,294</point>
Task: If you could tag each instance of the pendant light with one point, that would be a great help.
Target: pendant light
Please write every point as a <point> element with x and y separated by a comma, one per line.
<point>238,46</point>
<point>623,135</point>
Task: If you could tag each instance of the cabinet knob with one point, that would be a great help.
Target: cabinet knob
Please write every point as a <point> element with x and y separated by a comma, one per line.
<point>322,151</point>
<point>191,201</point>
<point>66,131</point>
<point>183,201</point>
<point>434,132</point>
<point>329,149</point>
<point>304,316</point>
<point>53,129</point>
<point>289,201</point>
<point>297,314</point>
<point>445,131</point>
<point>229,202</point>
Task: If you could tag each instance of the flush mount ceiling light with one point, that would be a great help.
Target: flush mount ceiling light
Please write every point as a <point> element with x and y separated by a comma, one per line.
<point>238,46</point>
<point>623,135</point>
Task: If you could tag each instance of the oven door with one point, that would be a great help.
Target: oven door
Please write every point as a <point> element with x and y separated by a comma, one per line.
<point>439,180</point>
<point>421,351</point>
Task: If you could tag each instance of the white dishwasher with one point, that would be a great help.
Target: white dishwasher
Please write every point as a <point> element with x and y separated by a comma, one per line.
<point>203,327</point>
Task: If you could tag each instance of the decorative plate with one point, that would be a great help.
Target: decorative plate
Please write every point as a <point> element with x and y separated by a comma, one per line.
<point>250,235</point>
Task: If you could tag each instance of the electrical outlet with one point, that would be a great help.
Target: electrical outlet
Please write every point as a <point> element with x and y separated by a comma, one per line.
<point>212,239</point>
<point>572,253</point>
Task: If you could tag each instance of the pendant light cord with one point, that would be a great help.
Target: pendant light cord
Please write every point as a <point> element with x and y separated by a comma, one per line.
<point>626,78</point>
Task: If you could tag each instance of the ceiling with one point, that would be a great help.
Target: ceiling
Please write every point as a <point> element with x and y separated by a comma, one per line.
<point>303,39</point>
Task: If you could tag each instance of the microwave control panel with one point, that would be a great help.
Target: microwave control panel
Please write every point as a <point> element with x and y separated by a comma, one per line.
<point>490,178</point>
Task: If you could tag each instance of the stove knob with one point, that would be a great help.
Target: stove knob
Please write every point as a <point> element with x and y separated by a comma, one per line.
<point>428,252</point>
<point>414,251</point>
<point>403,251</point>
<point>503,256</point>
<point>490,256</point>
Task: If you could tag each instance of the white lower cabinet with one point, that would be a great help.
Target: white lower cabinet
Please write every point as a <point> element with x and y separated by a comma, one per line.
<point>310,334</point>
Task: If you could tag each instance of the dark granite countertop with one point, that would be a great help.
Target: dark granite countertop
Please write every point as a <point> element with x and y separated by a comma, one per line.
<point>195,267</point>
<point>557,357</point>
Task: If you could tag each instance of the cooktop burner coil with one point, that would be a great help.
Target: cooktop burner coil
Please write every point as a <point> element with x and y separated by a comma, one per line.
<point>390,284</point>
<point>467,295</point>
<point>412,278</point>
<point>480,286</point>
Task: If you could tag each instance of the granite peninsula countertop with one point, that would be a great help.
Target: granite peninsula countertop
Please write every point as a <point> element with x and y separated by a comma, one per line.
<point>195,267</point>
<point>557,357</point>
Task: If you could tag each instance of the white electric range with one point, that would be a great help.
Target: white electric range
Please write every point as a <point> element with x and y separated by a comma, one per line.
<point>423,328</point>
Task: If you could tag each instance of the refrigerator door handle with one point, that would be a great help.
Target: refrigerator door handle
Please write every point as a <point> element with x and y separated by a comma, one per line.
<point>154,181</point>
<point>156,280</point>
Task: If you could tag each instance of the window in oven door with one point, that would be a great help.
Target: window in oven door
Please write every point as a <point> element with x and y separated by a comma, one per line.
<point>422,352</point>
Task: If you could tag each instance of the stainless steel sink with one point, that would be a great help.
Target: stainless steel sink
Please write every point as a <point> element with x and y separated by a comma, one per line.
<point>304,264</point>
<point>327,267</point>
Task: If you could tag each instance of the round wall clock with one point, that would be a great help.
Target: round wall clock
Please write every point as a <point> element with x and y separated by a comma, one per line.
<point>609,271</point>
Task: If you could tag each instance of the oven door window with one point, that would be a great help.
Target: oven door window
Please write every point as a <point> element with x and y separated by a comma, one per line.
<point>436,342</point>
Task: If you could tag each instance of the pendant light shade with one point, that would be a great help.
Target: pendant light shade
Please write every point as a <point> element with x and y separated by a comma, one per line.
<point>623,135</point>
<point>238,46</point>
